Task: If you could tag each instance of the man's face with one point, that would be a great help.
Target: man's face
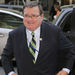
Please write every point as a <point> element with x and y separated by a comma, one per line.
<point>32,18</point>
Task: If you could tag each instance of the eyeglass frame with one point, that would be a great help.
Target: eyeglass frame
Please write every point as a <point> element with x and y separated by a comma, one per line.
<point>33,16</point>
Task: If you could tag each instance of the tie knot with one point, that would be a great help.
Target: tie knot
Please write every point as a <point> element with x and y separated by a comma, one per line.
<point>32,34</point>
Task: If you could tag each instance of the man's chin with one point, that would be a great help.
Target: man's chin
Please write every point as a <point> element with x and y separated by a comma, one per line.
<point>31,29</point>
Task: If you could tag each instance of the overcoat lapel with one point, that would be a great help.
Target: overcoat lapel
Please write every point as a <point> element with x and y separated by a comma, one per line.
<point>23,46</point>
<point>26,45</point>
<point>43,42</point>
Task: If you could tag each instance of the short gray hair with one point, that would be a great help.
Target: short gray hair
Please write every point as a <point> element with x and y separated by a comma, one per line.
<point>32,4</point>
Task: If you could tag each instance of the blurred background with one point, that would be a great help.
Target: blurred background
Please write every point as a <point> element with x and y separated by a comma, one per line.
<point>47,4</point>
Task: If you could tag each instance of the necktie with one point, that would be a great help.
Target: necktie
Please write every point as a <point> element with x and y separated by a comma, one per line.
<point>32,47</point>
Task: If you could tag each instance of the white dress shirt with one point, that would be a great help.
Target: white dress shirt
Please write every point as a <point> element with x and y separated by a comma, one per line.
<point>38,39</point>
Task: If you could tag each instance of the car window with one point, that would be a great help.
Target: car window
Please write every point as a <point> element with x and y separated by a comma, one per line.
<point>73,20</point>
<point>65,22</point>
<point>68,26</point>
<point>55,20</point>
<point>9,21</point>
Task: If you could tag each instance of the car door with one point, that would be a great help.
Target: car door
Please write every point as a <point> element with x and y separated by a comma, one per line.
<point>67,25</point>
<point>3,38</point>
<point>7,23</point>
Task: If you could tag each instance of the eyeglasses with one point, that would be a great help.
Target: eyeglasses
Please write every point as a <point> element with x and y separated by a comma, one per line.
<point>32,16</point>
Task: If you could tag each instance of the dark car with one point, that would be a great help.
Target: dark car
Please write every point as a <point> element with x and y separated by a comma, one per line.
<point>66,20</point>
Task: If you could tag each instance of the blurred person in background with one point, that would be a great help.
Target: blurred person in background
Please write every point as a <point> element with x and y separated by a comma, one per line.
<point>53,12</point>
<point>57,9</point>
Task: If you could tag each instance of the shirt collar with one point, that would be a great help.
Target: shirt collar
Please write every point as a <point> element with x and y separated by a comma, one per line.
<point>35,32</point>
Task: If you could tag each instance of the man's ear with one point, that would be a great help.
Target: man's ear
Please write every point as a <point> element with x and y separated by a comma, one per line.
<point>42,15</point>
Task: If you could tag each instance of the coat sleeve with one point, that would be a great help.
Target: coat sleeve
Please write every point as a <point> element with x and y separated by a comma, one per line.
<point>67,50</point>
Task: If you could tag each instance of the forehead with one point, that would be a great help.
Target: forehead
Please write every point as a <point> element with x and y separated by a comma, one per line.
<point>35,9</point>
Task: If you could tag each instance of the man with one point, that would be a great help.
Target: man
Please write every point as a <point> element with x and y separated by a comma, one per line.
<point>37,46</point>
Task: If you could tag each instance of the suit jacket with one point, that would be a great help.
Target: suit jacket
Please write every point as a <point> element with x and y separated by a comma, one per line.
<point>50,58</point>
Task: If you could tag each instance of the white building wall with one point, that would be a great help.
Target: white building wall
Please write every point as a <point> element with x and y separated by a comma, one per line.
<point>27,0</point>
<point>30,0</point>
<point>70,1</point>
<point>2,1</point>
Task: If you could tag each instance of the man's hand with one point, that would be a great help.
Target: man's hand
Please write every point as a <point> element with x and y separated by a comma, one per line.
<point>62,72</point>
<point>14,74</point>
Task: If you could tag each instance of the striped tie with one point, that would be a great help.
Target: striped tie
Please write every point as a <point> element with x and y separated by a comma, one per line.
<point>32,47</point>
